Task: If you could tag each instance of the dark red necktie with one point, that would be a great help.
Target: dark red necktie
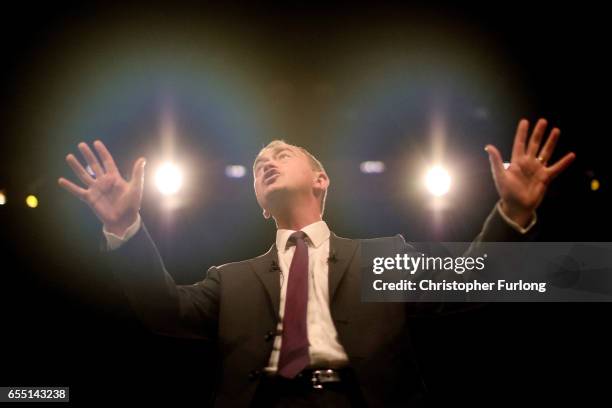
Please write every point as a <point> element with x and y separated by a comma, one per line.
<point>294,346</point>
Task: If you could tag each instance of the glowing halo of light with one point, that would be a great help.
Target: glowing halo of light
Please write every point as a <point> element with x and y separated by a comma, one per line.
<point>128,87</point>
<point>438,181</point>
<point>168,178</point>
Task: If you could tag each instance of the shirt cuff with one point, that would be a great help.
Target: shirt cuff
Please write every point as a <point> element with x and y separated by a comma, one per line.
<point>114,241</point>
<point>514,224</point>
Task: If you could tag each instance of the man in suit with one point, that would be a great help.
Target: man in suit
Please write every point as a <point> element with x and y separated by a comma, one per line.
<point>290,324</point>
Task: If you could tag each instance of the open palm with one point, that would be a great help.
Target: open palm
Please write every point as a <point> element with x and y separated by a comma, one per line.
<point>522,186</point>
<point>114,200</point>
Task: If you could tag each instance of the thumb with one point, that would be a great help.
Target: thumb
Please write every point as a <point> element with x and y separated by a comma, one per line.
<point>138,172</point>
<point>497,164</point>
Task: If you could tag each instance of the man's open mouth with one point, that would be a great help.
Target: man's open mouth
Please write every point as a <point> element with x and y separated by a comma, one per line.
<point>271,177</point>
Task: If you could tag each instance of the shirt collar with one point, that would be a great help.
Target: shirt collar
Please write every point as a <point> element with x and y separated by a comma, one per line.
<point>317,232</point>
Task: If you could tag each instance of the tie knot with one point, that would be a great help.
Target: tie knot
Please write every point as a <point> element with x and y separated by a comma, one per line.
<point>297,235</point>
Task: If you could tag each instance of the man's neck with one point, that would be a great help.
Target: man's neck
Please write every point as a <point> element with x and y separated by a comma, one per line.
<point>296,218</point>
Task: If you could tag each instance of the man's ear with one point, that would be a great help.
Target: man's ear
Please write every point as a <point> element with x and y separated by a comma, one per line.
<point>322,180</point>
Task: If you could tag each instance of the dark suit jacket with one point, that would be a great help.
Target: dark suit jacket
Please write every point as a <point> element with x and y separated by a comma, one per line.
<point>237,305</point>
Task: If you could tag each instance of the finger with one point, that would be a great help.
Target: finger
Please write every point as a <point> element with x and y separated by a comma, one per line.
<point>518,149</point>
<point>72,188</point>
<point>78,169</point>
<point>549,146</point>
<point>91,159</point>
<point>138,171</point>
<point>497,164</point>
<point>536,137</point>
<point>561,165</point>
<point>107,159</point>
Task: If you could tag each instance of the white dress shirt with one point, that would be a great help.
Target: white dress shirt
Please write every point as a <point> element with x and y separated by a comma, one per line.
<point>324,349</point>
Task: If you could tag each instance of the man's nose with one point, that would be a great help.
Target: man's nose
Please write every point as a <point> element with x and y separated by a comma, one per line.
<point>269,165</point>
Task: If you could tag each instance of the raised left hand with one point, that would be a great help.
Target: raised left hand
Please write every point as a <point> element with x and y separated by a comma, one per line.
<point>522,186</point>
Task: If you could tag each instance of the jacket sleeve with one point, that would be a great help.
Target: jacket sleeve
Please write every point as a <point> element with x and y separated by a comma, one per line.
<point>495,229</point>
<point>186,311</point>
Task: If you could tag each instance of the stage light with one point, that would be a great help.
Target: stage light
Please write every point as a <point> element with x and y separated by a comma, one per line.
<point>370,167</point>
<point>437,181</point>
<point>32,201</point>
<point>2,198</point>
<point>235,171</point>
<point>168,179</point>
<point>595,185</point>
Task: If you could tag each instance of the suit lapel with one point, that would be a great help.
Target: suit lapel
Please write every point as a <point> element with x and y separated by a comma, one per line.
<point>267,269</point>
<point>341,252</point>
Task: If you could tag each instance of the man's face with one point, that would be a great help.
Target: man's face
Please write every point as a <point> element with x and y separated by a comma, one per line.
<point>281,171</point>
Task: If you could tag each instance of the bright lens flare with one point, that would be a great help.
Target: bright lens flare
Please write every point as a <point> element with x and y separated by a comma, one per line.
<point>437,181</point>
<point>168,179</point>
<point>32,201</point>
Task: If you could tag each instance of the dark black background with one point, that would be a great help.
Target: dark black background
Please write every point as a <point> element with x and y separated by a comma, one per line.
<point>65,322</point>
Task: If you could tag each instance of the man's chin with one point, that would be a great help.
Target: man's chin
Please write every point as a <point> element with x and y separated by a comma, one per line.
<point>275,193</point>
<point>275,189</point>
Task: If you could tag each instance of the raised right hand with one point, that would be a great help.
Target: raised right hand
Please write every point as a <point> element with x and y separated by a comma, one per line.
<point>114,200</point>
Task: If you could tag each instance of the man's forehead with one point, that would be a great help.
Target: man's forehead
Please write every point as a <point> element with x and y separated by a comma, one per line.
<point>274,150</point>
